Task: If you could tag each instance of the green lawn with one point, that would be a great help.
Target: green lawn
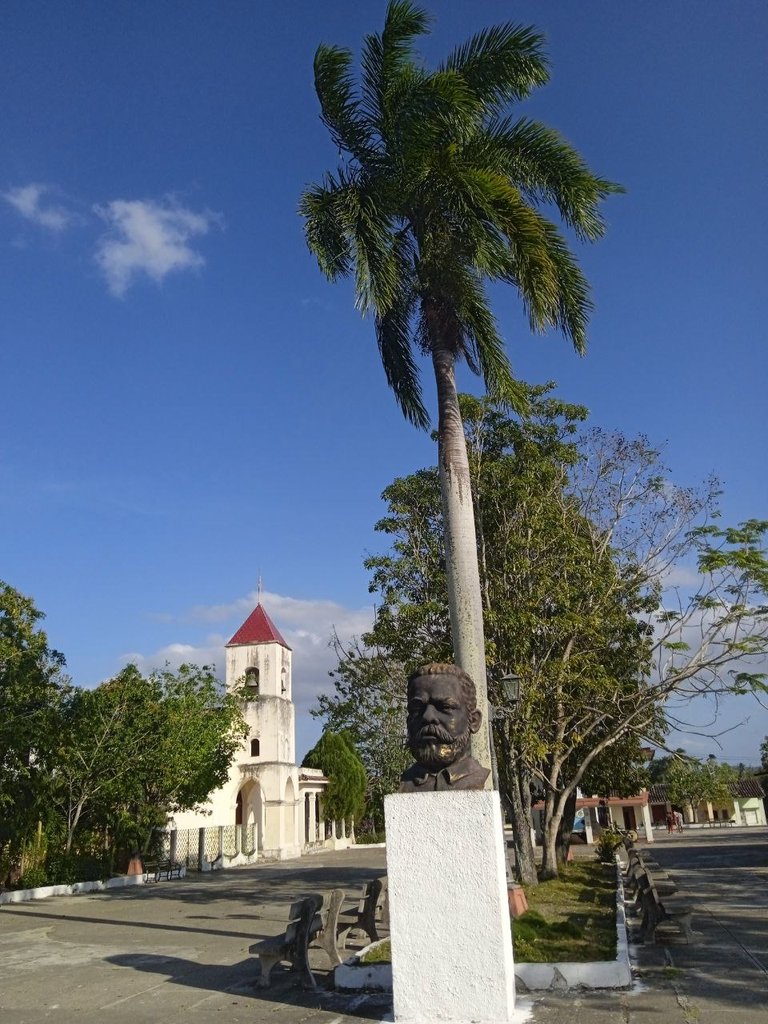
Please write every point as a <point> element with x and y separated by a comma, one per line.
<point>570,918</point>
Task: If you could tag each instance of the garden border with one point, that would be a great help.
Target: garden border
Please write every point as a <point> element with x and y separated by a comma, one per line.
<point>354,976</point>
<point>42,892</point>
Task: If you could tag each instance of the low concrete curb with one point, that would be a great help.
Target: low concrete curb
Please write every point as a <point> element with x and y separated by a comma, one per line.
<point>44,891</point>
<point>354,976</point>
<point>596,974</point>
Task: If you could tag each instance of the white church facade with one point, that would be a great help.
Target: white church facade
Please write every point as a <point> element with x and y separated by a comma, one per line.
<point>267,794</point>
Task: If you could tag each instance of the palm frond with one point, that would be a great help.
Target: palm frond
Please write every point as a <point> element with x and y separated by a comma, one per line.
<point>323,209</point>
<point>339,104</point>
<point>531,268</point>
<point>394,330</point>
<point>502,63</point>
<point>547,169</point>
<point>370,228</point>
<point>386,56</point>
<point>574,304</point>
<point>484,344</point>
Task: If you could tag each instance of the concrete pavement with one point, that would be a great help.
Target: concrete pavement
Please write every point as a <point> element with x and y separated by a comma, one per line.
<point>178,951</point>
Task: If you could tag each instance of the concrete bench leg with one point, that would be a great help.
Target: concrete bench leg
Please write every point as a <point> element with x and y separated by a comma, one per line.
<point>267,961</point>
<point>683,921</point>
<point>301,963</point>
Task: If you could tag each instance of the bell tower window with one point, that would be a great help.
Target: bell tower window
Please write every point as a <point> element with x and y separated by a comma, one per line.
<point>254,748</point>
<point>252,679</point>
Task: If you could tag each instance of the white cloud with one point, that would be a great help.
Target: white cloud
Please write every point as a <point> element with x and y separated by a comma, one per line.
<point>681,576</point>
<point>306,625</point>
<point>28,201</point>
<point>148,237</point>
<point>209,652</point>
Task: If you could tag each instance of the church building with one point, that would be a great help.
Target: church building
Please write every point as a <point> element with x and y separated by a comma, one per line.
<point>267,793</point>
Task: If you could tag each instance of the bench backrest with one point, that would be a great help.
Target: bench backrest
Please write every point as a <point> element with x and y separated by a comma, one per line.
<point>304,918</point>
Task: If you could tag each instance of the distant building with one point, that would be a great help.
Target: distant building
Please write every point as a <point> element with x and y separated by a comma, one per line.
<point>744,806</point>
<point>267,795</point>
<point>594,813</point>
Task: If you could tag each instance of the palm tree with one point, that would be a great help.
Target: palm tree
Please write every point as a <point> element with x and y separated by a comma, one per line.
<point>439,191</point>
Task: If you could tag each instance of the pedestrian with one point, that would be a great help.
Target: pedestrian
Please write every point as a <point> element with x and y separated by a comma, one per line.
<point>679,820</point>
<point>670,823</point>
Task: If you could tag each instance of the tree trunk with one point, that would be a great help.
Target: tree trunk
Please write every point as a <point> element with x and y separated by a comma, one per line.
<point>550,828</point>
<point>520,819</point>
<point>464,594</point>
<point>74,818</point>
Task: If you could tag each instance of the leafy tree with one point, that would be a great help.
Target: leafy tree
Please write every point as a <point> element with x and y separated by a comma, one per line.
<point>576,538</point>
<point>690,782</point>
<point>441,191</point>
<point>335,755</point>
<point>140,747</point>
<point>31,686</point>
<point>368,705</point>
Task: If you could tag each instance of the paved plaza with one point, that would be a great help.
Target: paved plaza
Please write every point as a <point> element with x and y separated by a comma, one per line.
<point>178,951</point>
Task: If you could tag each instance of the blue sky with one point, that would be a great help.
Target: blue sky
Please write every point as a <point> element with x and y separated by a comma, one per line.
<point>186,402</point>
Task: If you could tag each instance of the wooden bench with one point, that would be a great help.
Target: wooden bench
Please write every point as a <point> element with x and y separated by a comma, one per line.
<point>313,919</point>
<point>162,868</point>
<point>657,898</point>
<point>371,914</point>
<point>659,910</point>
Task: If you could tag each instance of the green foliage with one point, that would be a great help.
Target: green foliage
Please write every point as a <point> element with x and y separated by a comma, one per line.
<point>86,775</point>
<point>68,868</point>
<point>621,769</point>
<point>368,838</point>
<point>335,755</point>
<point>139,747</point>
<point>31,687</point>
<point>576,535</point>
<point>369,703</point>
<point>690,782</point>
<point>379,954</point>
<point>608,842</point>
<point>34,878</point>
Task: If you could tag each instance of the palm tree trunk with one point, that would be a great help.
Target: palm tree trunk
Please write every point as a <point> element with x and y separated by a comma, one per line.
<point>464,595</point>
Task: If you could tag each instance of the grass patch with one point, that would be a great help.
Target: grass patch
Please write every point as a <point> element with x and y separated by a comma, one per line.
<point>382,954</point>
<point>570,918</point>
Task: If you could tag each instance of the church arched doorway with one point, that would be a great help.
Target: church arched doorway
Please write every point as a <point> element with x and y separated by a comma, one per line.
<point>249,814</point>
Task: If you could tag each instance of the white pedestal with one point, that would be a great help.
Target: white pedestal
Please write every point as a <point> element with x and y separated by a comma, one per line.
<point>449,913</point>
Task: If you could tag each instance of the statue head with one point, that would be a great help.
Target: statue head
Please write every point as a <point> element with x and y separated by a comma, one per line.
<point>442,714</point>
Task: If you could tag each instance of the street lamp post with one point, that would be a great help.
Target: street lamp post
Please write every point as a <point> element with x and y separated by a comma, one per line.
<point>510,690</point>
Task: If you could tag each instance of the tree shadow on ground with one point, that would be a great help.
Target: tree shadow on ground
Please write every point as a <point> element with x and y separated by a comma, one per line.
<point>240,979</point>
<point>263,885</point>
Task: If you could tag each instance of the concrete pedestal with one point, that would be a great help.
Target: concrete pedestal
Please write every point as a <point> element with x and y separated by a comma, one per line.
<point>449,909</point>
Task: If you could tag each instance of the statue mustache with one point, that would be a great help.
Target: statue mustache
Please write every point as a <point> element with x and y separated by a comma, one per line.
<point>436,732</point>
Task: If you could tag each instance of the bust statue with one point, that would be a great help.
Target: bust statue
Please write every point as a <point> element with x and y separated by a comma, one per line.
<point>442,715</point>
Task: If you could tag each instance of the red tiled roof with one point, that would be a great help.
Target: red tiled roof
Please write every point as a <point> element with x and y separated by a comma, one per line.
<point>258,628</point>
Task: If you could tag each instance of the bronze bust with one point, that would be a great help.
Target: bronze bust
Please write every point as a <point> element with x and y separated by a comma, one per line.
<point>442,715</point>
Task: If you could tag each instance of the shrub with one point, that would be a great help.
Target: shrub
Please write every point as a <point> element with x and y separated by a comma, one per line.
<point>33,878</point>
<point>68,868</point>
<point>369,837</point>
<point>607,844</point>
